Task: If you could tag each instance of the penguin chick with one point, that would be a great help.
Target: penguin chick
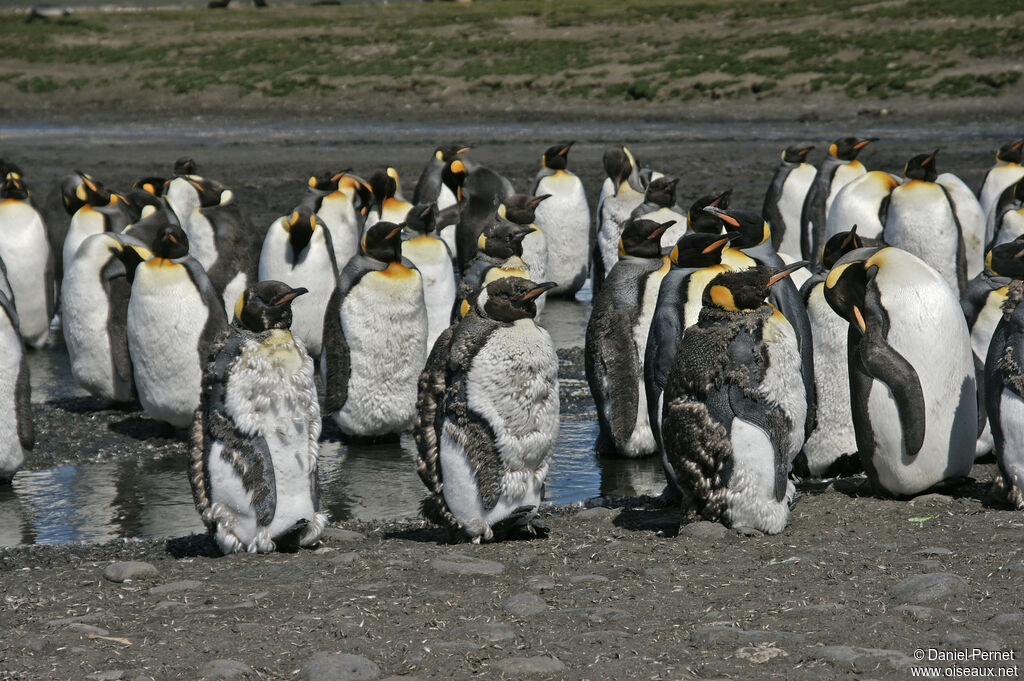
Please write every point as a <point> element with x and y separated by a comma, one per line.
<point>487,416</point>
<point>255,435</point>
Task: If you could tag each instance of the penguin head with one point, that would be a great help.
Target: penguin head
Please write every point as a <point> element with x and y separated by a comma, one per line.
<point>422,218</point>
<point>454,176</point>
<point>151,185</point>
<point>642,238</point>
<point>384,184</point>
<point>447,153</point>
<point>511,298</point>
<point>383,242</point>
<point>170,242</point>
<point>211,193</point>
<point>1007,259</point>
<point>10,168</point>
<point>846,285</point>
<point>521,208</point>
<point>503,238</point>
<point>753,229</point>
<point>704,222</point>
<point>662,192</point>
<point>619,164</point>
<point>700,250</point>
<point>1010,152</point>
<point>300,226</point>
<point>91,191</point>
<point>326,181</point>
<point>142,202</point>
<point>847,148</point>
<point>921,167</point>
<point>13,187</point>
<point>839,245</point>
<point>266,305</point>
<point>796,153</point>
<point>185,166</point>
<point>557,157</point>
<point>746,290</point>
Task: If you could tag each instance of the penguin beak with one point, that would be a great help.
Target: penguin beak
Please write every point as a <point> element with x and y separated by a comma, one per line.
<point>805,151</point>
<point>722,215</point>
<point>343,173</point>
<point>721,198</point>
<point>290,296</point>
<point>851,238</point>
<point>395,232</point>
<point>536,201</point>
<point>930,159</point>
<point>463,150</point>
<point>660,230</point>
<point>711,248</point>
<point>863,143</point>
<point>537,290</point>
<point>859,318</point>
<point>786,271</point>
<point>565,150</point>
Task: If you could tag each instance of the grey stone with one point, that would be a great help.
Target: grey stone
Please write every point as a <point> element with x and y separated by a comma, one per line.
<point>324,666</point>
<point>164,605</point>
<point>112,675</point>
<point>336,534</point>
<point>461,564</point>
<point>583,579</point>
<point>527,559</point>
<point>864,658</point>
<point>225,670</point>
<point>87,629</point>
<point>91,617</point>
<point>748,531</point>
<point>930,499</point>
<point>703,530</point>
<point>396,562</point>
<point>344,558</point>
<point>401,678</point>
<point>525,666</point>
<point>918,612</point>
<point>972,640</point>
<point>453,645</point>
<point>171,587</point>
<point>817,609</point>
<point>596,513</point>
<point>525,604</point>
<point>932,586</point>
<point>491,632</point>
<point>936,551</point>
<point>597,613</point>
<point>735,635</point>
<point>1008,618</point>
<point>130,569</point>
<point>540,583</point>
<point>144,677</point>
<point>36,644</point>
<point>1016,565</point>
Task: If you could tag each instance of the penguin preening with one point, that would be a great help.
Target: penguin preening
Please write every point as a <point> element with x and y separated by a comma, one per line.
<point>487,416</point>
<point>735,406</point>
<point>255,436</point>
<point>784,199</point>
<point>839,167</point>
<point>564,217</point>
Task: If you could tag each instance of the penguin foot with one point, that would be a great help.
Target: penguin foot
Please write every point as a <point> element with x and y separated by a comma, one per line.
<point>288,541</point>
<point>520,524</point>
<point>1004,495</point>
<point>311,535</point>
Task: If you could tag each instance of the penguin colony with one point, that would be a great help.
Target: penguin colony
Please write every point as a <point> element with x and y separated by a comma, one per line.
<point>745,349</point>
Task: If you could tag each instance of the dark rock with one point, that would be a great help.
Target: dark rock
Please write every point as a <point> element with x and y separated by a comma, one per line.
<point>936,551</point>
<point>461,564</point>
<point>131,569</point>
<point>324,666</point>
<point>525,604</point>
<point>924,588</point>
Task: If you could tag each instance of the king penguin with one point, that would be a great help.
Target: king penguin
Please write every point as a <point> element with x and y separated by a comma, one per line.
<point>521,209</point>
<point>1006,171</point>
<point>298,251</point>
<point>479,191</point>
<point>499,254</point>
<point>784,200</point>
<point>255,436</point>
<point>1007,215</point>
<point>174,318</point>
<point>340,200</point>
<point>431,188</point>
<point>614,209</point>
<point>616,340</point>
<point>839,167</point>
<point>375,339</point>
<point>17,429</point>
<point>25,250</point>
<point>388,203</point>
<point>700,221</point>
<point>1004,401</point>
<point>101,211</point>
<point>914,400</point>
<point>564,217</point>
<point>735,406</point>
<point>422,247</point>
<point>660,206</point>
<point>863,202</point>
<point>487,416</point>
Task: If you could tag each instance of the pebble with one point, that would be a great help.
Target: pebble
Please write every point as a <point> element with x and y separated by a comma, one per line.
<point>817,609</point>
<point>225,670</point>
<point>930,499</point>
<point>344,558</point>
<point>933,586</point>
<point>703,530</point>
<point>401,678</point>
<point>461,564</point>
<point>540,583</point>
<point>596,513</point>
<point>36,644</point>
<point>918,612</point>
<point>1008,618</point>
<point>91,617</point>
<point>583,579</point>
<point>523,666</point>
<point>597,613</point>
<point>936,551</point>
<point>971,640</point>
<point>324,666</point>
<point>1016,565</point>
<point>453,645</point>
<point>491,632</point>
<point>164,605</point>
<point>735,635</point>
<point>130,569</point>
<point>525,604</point>
<point>864,658</point>
<point>336,534</point>
<point>87,629</point>
<point>171,587</point>
<point>748,531</point>
<point>112,675</point>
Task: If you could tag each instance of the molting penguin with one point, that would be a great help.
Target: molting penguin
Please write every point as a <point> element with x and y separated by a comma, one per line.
<point>388,203</point>
<point>735,406</point>
<point>660,206</point>
<point>564,217</point>
<point>255,436</point>
<point>25,250</point>
<point>616,341</point>
<point>921,220</point>
<point>839,167</point>
<point>488,416</point>
<point>174,318</point>
<point>1006,171</point>
<point>299,252</point>
<point>500,254</point>
<point>615,209</point>
<point>784,200</point>
<point>863,202</point>
<point>17,429</point>
<point>432,258</point>
<point>915,409</point>
<point>340,200</point>
<point>375,339</point>
<point>521,209</point>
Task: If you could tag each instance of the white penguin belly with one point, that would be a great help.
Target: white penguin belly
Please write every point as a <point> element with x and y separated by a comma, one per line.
<point>972,221</point>
<point>988,319</point>
<point>998,179</point>
<point>11,453</point>
<point>750,496</point>
<point>641,441</point>
<point>166,316</point>
<point>434,262</point>
<point>230,505</point>
<point>385,325</point>
<point>614,212</point>
<point>85,310</point>
<point>183,197</point>
<point>1011,418</point>
<point>791,205</point>
<point>84,223</point>
<point>339,216</point>
<point>565,220</point>
<point>858,203</point>
<point>844,175</point>
<point>26,253</point>
<point>202,242</point>
<point>782,383</point>
<point>920,221</point>
<point>1011,227</point>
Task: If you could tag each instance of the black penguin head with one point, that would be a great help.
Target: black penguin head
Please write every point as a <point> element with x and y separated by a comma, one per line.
<point>557,157</point>
<point>796,153</point>
<point>839,245</point>
<point>1007,259</point>
<point>454,176</point>
<point>704,222</point>
<point>619,164</point>
<point>746,290</point>
<point>266,305</point>
<point>142,202</point>
<point>10,168</point>
<point>91,191</point>
<point>170,242</point>
<point>846,285</point>
<point>700,250</point>
<point>847,148</point>
<point>511,298</point>
<point>521,208</point>
<point>383,242</point>
<point>13,187</point>
<point>422,218</point>
<point>326,181</point>
<point>300,225</point>
<point>211,193</point>
<point>753,229</point>
<point>662,192</point>
<point>921,167</point>
<point>185,166</point>
<point>151,185</point>
<point>384,183</point>
<point>447,153</point>
<point>642,238</point>
<point>1010,152</point>
<point>503,238</point>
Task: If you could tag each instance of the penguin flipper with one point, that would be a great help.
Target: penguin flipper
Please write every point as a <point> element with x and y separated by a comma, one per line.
<point>23,406</point>
<point>883,363</point>
<point>216,319</point>
<point>118,290</point>
<point>335,359</point>
<point>426,430</point>
<point>610,368</point>
<point>771,213</point>
<point>774,423</point>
